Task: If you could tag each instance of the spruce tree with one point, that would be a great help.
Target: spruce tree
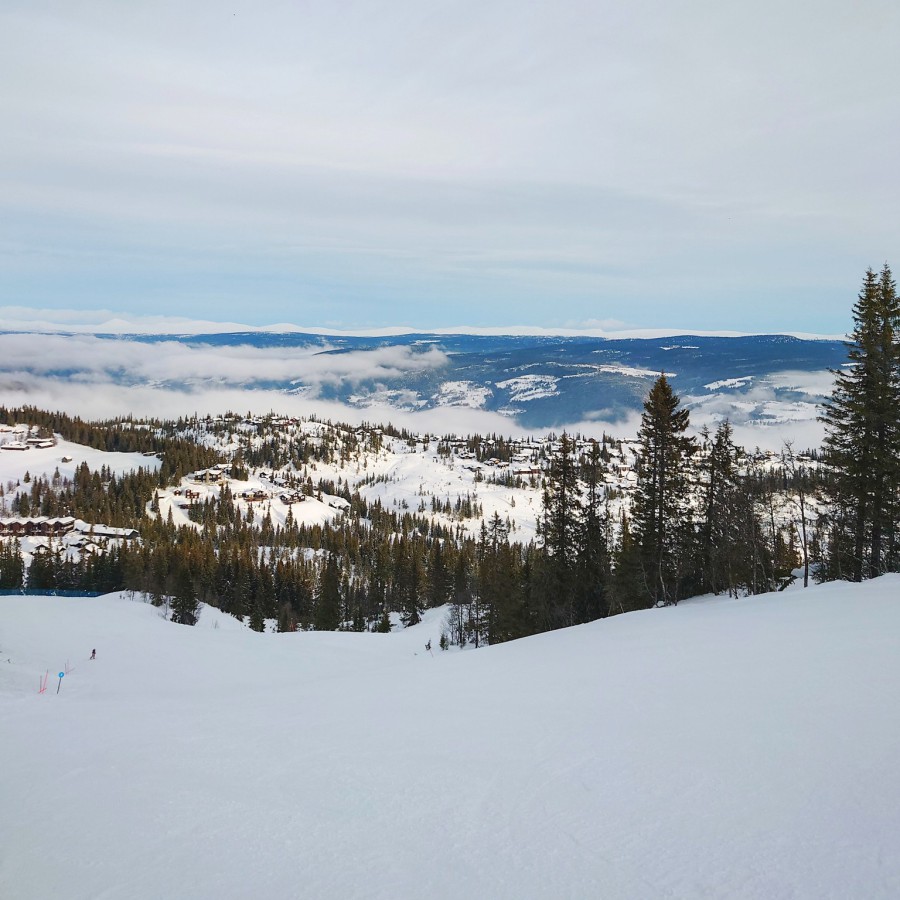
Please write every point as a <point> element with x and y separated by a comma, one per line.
<point>185,607</point>
<point>256,620</point>
<point>733,555</point>
<point>627,591</point>
<point>593,563</point>
<point>661,513</point>
<point>498,583</point>
<point>560,530</point>
<point>327,616</point>
<point>384,622</point>
<point>862,442</point>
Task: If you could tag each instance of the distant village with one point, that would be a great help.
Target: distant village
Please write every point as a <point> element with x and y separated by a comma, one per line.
<point>19,438</point>
<point>36,535</point>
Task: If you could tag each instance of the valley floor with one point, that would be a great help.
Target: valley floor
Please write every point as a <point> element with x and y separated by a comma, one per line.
<point>723,748</point>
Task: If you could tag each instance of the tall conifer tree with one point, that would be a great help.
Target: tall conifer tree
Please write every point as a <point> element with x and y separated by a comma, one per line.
<point>661,514</point>
<point>327,615</point>
<point>593,566</point>
<point>862,443</point>
<point>560,530</point>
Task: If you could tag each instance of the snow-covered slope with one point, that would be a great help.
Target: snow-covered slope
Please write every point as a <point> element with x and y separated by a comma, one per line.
<point>65,457</point>
<point>723,748</point>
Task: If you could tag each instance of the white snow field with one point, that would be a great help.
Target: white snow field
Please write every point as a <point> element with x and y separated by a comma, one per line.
<point>721,749</point>
<point>47,460</point>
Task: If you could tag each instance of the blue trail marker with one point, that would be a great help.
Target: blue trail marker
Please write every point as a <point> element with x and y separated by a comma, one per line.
<point>61,676</point>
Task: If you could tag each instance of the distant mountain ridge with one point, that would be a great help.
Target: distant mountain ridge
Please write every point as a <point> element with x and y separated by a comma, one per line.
<point>539,381</point>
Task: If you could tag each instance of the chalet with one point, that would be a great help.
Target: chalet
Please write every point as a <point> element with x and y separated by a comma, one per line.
<point>106,531</point>
<point>86,545</point>
<point>41,442</point>
<point>254,496</point>
<point>295,497</point>
<point>209,476</point>
<point>14,445</point>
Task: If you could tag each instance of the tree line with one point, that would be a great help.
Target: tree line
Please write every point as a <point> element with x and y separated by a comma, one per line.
<point>860,533</point>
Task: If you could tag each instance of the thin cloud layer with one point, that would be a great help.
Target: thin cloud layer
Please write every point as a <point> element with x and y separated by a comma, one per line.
<point>146,402</point>
<point>363,165</point>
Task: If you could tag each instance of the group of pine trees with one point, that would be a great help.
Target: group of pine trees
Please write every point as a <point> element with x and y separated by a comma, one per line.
<point>696,524</point>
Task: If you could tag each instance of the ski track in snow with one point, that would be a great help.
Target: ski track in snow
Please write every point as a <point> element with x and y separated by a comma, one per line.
<point>722,748</point>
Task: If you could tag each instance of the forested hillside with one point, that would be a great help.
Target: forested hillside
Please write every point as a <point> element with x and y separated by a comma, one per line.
<point>320,525</point>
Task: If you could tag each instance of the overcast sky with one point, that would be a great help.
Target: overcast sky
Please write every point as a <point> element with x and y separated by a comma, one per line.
<point>697,165</point>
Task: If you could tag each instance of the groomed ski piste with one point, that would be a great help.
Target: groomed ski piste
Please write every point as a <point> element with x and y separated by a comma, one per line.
<point>740,748</point>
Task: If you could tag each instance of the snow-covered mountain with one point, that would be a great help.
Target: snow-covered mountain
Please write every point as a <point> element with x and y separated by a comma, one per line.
<point>720,748</point>
<point>534,381</point>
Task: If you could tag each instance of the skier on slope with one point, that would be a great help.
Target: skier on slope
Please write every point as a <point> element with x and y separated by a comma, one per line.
<point>93,654</point>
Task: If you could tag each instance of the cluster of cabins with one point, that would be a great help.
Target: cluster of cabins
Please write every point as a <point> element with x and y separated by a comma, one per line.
<point>28,443</point>
<point>59,526</point>
<point>218,475</point>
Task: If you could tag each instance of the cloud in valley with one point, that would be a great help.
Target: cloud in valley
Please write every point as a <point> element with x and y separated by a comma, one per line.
<point>96,360</point>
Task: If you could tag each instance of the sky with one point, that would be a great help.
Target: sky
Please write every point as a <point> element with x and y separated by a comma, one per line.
<point>683,165</point>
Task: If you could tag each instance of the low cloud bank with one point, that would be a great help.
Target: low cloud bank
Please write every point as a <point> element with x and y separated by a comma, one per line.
<point>107,400</point>
<point>91,359</point>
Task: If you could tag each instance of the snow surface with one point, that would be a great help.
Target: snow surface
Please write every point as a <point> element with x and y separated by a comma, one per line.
<point>741,382</point>
<point>467,394</point>
<point>723,748</point>
<point>632,371</point>
<point>530,387</point>
<point>45,460</point>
